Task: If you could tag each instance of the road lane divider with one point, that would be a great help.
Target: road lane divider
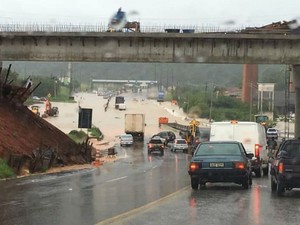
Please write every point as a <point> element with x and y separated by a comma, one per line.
<point>119,178</point>
<point>117,219</point>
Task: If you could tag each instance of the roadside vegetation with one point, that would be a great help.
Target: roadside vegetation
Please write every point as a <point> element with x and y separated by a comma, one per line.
<point>5,170</point>
<point>212,104</point>
<point>81,136</point>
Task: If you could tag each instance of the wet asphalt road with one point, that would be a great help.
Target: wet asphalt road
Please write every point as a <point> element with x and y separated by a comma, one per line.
<point>91,196</point>
<point>138,189</point>
<point>141,189</point>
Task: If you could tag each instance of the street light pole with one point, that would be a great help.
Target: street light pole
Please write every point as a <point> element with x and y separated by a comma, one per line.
<point>251,96</point>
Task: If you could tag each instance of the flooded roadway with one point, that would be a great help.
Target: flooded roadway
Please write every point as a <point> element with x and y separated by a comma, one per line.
<point>137,188</point>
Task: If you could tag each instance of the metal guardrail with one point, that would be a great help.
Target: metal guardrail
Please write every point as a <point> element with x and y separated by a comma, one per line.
<point>178,126</point>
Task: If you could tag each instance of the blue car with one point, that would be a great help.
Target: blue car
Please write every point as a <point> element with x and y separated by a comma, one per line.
<point>220,161</point>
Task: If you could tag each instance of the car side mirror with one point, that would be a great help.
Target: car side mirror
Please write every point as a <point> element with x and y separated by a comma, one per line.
<point>250,155</point>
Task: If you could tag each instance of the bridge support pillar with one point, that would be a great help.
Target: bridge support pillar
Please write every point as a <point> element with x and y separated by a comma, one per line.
<point>296,81</point>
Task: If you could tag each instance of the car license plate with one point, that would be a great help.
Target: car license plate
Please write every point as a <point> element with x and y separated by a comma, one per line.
<point>216,165</point>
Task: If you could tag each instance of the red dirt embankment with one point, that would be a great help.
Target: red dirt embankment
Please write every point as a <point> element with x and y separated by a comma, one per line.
<point>27,140</point>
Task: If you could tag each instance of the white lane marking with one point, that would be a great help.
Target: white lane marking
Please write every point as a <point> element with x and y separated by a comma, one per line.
<point>154,167</point>
<point>119,178</point>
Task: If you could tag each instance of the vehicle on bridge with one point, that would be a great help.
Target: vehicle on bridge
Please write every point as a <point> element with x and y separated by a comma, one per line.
<point>118,21</point>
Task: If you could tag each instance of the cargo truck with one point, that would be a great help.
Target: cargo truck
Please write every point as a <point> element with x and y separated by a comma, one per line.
<point>135,125</point>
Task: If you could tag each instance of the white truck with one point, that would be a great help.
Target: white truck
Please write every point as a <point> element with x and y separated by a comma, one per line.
<point>135,125</point>
<point>251,134</point>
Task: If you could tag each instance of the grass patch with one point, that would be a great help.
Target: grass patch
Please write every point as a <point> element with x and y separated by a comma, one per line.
<point>78,136</point>
<point>95,132</point>
<point>81,136</point>
<point>5,170</point>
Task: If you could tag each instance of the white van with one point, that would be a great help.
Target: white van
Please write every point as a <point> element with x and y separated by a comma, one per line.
<point>251,134</point>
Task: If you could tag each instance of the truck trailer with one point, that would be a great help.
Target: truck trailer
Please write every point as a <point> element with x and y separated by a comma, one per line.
<point>135,125</point>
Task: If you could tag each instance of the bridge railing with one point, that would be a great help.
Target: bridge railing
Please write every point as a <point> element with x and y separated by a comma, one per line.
<point>103,28</point>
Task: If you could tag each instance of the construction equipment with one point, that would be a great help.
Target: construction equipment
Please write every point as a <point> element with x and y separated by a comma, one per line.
<point>191,133</point>
<point>49,110</point>
<point>35,109</point>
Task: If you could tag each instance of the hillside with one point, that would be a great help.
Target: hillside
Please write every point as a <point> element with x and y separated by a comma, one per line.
<point>28,142</point>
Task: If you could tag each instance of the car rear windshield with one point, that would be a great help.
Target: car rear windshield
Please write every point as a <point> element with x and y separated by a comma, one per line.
<point>218,149</point>
<point>126,137</point>
<point>155,141</point>
<point>180,142</point>
<point>293,150</point>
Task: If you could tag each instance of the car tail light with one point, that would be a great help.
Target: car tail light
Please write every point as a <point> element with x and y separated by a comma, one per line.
<point>149,145</point>
<point>194,166</point>
<point>257,148</point>
<point>239,165</point>
<point>162,146</point>
<point>280,167</point>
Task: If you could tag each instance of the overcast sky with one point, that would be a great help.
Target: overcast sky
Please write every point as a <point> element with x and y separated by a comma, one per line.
<point>151,12</point>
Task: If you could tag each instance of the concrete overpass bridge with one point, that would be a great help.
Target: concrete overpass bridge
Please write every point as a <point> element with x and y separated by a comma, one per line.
<point>220,47</point>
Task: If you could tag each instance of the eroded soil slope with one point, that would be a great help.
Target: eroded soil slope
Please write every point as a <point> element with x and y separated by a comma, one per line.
<point>27,140</point>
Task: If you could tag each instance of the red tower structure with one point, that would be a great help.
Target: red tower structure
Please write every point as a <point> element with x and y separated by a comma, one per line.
<point>250,79</point>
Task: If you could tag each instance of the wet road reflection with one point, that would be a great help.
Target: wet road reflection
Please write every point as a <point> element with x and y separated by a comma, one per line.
<point>136,186</point>
<point>90,196</point>
<point>223,204</point>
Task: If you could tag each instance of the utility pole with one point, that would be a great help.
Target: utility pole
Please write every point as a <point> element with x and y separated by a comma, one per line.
<point>69,75</point>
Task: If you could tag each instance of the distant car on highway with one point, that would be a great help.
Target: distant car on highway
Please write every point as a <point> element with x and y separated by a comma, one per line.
<point>156,144</point>
<point>180,144</point>
<point>220,161</point>
<point>126,139</point>
<point>285,167</point>
<point>168,136</point>
<point>36,98</point>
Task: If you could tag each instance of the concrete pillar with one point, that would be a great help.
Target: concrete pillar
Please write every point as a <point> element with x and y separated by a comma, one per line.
<point>296,80</point>
<point>1,81</point>
<point>250,78</point>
